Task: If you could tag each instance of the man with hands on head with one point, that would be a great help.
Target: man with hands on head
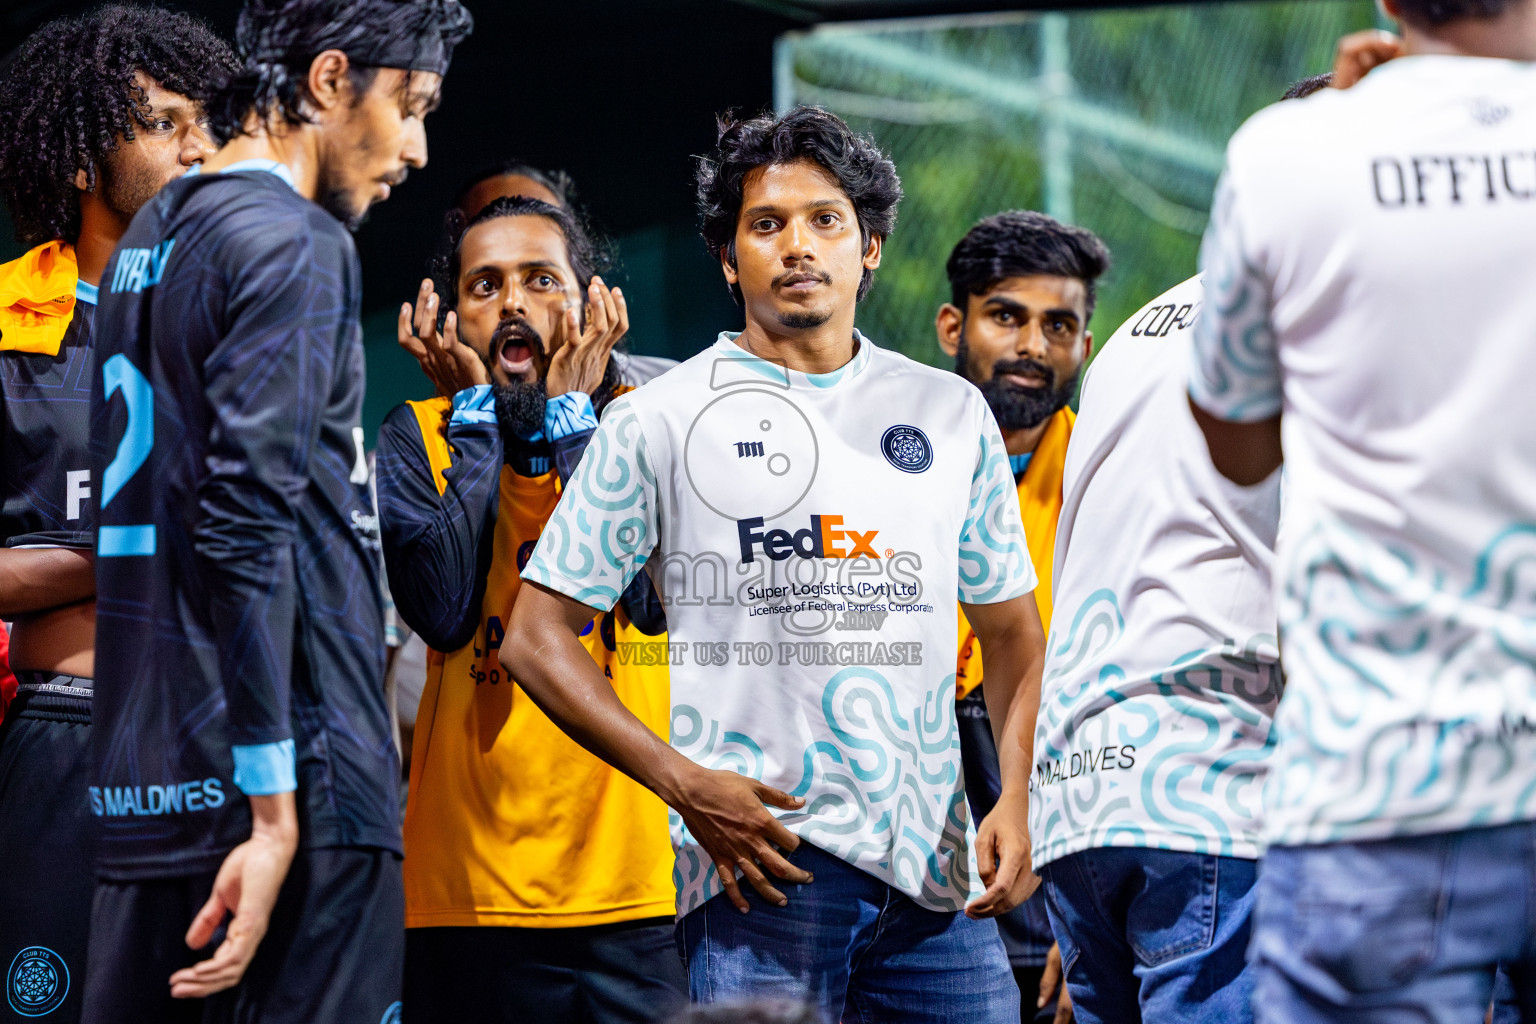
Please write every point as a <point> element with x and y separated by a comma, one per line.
<point>834,486</point>
<point>537,878</point>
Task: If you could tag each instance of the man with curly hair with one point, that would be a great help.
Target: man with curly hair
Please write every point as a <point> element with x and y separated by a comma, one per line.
<point>100,112</point>
<point>809,507</point>
<point>244,769</point>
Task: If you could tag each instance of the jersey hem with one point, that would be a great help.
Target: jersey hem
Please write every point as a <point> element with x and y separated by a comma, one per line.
<point>486,918</point>
<point>1176,842</point>
<point>148,869</point>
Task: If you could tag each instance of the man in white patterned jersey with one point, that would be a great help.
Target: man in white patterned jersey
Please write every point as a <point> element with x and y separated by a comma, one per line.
<point>1367,277</point>
<point>1022,290</point>
<point>809,507</point>
<point>1158,700</point>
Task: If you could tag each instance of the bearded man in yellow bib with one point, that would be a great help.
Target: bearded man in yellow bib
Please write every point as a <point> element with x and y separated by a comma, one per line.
<point>1023,289</point>
<point>537,879</point>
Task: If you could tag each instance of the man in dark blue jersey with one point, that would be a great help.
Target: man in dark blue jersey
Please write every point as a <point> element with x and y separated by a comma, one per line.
<point>100,112</point>
<point>244,771</point>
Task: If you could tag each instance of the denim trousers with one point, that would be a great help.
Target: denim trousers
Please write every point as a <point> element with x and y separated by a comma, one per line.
<point>848,942</point>
<point>1153,935</point>
<point>1405,929</point>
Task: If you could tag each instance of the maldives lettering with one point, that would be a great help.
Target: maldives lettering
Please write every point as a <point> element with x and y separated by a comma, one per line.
<point>1099,759</point>
<point>152,801</point>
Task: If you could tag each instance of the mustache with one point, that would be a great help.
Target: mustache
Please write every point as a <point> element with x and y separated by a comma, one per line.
<point>1025,367</point>
<point>801,274</point>
<point>516,327</point>
<point>397,178</point>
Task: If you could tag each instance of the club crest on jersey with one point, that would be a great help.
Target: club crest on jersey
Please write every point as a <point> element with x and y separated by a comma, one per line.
<point>907,448</point>
<point>826,537</point>
<point>37,982</point>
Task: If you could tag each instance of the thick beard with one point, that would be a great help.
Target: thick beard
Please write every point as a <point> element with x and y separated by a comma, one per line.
<point>520,411</point>
<point>1018,408</point>
<point>520,405</point>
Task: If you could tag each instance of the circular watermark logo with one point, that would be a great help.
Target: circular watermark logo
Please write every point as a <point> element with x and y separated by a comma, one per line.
<point>751,452</point>
<point>37,982</point>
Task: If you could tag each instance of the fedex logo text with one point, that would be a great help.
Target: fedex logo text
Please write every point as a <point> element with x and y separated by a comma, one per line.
<point>824,538</point>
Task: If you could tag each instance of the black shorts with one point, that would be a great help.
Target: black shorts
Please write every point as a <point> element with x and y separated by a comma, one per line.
<point>45,853</point>
<point>333,953</point>
<point>626,973</point>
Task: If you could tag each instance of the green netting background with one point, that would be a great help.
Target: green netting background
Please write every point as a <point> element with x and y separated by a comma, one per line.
<point>1115,120</point>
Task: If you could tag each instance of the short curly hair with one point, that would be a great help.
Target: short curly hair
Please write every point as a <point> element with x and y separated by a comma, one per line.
<point>1022,243</point>
<point>865,174</point>
<point>67,94</point>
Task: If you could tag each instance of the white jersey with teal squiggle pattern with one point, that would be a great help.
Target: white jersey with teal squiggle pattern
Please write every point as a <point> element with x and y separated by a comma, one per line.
<point>1162,673</point>
<point>808,536</point>
<point>1368,274</point>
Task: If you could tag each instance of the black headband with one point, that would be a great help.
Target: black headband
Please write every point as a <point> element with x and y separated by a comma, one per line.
<point>426,52</point>
<point>423,43</point>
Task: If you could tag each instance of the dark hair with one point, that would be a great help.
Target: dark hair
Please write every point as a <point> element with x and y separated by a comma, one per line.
<point>558,182</point>
<point>1018,243</point>
<point>587,252</point>
<point>278,39</point>
<point>67,93</point>
<point>865,174</point>
<point>1442,12</point>
<point>1307,86</point>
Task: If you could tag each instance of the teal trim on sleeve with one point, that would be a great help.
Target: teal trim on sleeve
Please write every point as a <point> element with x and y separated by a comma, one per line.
<point>475,404</point>
<point>567,414</point>
<point>263,769</point>
<point>86,292</point>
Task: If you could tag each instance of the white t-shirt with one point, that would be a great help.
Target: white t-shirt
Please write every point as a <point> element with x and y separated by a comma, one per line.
<point>1160,686</point>
<point>808,536</point>
<point>1369,271</point>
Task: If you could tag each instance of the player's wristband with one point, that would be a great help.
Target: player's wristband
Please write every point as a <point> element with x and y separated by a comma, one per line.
<point>264,769</point>
<point>476,404</point>
<point>567,414</point>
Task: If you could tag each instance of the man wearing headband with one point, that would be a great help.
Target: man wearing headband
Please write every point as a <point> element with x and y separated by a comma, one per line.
<point>244,772</point>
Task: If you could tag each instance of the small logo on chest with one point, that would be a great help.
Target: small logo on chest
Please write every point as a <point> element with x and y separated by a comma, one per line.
<point>749,449</point>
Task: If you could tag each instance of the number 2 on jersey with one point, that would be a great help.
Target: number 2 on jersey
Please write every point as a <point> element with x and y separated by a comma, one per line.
<point>120,375</point>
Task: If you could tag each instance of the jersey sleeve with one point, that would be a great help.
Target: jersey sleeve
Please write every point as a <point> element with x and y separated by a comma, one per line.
<point>1235,370</point>
<point>437,547</point>
<point>605,526</point>
<point>994,556</point>
<point>266,384</point>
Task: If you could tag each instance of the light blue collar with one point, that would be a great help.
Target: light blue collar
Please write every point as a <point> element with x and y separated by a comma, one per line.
<point>273,167</point>
<point>1019,463</point>
<point>86,292</point>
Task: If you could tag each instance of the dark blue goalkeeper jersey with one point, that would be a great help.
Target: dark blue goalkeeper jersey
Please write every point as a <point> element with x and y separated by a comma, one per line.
<point>45,427</point>
<point>240,633</point>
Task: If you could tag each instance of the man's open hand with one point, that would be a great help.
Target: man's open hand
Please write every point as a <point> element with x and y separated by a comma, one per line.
<point>1002,857</point>
<point>581,356</point>
<point>449,364</point>
<point>725,812</point>
<point>247,886</point>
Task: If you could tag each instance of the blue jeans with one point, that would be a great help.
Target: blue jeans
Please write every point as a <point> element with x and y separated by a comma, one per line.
<point>860,950</point>
<point>1153,935</point>
<point>1407,929</point>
